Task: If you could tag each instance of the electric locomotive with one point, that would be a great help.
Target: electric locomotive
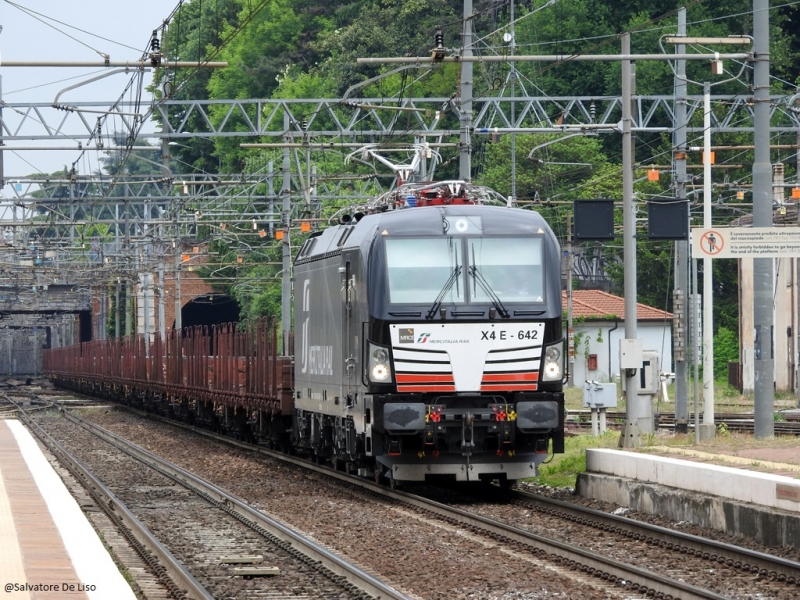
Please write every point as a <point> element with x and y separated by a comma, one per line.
<point>429,338</point>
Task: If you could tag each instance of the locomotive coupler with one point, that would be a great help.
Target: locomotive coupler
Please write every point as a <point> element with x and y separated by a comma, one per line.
<point>467,433</point>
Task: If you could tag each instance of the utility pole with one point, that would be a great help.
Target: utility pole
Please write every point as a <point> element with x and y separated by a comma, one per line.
<point>127,250</point>
<point>570,331</point>
<point>638,414</point>
<point>680,302</point>
<point>178,302</point>
<point>127,308</point>
<point>464,150</point>
<point>161,326</point>
<point>708,429</point>
<point>2,174</point>
<point>513,78</point>
<point>286,209</point>
<point>763,317</point>
<point>117,332</point>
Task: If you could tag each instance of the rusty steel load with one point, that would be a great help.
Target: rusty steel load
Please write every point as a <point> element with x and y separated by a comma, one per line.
<point>195,375</point>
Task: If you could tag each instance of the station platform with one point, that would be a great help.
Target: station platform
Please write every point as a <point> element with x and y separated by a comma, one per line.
<point>48,548</point>
<point>737,495</point>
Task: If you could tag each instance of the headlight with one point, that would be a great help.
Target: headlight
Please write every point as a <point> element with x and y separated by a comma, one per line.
<point>378,370</point>
<point>553,368</point>
<point>379,373</point>
<point>553,354</point>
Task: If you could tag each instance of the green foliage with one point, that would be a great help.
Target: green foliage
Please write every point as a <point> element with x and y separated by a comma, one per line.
<point>581,341</point>
<point>726,297</point>
<point>572,166</point>
<point>367,28</point>
<point>562,470</point>
<point>308,49</point>
<point>654,266</point>
<point>726,348</point>
<point>563,473</point>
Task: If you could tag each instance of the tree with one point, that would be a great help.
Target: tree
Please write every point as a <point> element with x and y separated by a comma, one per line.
<point>563,169</point>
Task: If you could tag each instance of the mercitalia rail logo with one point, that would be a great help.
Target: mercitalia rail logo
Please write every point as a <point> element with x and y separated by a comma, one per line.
<point>407,335</point>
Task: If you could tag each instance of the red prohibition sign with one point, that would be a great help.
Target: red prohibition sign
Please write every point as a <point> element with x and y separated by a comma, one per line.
<point>712,242</point>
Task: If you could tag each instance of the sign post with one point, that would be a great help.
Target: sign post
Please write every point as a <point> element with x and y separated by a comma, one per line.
<point>755,243</point>
<point>746,242</point>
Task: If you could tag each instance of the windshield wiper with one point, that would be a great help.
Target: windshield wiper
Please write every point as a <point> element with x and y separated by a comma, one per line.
<point>478,276</point>
<point>445,288</point>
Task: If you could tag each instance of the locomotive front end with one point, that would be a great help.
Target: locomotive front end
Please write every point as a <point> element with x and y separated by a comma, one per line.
<point>464,352</point>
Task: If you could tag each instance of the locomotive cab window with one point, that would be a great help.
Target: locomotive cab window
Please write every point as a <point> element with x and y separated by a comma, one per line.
<point>420,269</point>
<point>511,266</point>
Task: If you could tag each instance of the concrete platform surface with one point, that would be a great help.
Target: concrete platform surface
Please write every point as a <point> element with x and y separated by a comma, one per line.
<point>48,549</point>
<point>740,501</point>
<point>765,489</point>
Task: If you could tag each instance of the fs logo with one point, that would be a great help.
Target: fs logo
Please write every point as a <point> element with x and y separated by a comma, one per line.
<point>423,337</point>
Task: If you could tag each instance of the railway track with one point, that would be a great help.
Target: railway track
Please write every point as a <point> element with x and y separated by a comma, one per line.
<point>743,572</point>
<point>702,561</point>
<point>212,546</point>
<point>750,565</point>
<point>163,571</point>
<point>740,422</point>
<point>747,567</point>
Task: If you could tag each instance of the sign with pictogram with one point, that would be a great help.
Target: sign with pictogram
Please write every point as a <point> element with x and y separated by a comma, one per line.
<point>746,242</point>
<point>711,243</point>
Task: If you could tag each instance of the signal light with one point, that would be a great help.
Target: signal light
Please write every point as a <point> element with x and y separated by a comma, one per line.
<point>394,448</point>
<point>437,54</point>
<point>155,50</point>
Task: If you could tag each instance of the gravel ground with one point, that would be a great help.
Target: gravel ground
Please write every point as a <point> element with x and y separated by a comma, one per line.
<point>196,532</point>
<point>703,573</point>
<point>568,495</point>
<point>424,557</point>
<point>427,558</point>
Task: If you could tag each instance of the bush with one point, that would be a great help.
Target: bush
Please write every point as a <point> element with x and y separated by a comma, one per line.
<point>726,349</point>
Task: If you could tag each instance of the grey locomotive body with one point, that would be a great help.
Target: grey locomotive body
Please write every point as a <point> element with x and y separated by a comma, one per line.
<point>429,341</point>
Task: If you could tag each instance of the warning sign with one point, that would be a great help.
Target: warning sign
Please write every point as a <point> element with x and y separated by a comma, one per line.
<point>746,242</point>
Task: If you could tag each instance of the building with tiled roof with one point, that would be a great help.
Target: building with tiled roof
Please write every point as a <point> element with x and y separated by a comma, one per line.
<point>599,323</point>
<point>594,304</point>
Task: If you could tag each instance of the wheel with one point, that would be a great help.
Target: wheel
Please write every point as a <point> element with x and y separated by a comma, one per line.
<point>393,483</point>
<point>507,484</point>
<point>349,467</point>
<point>336,463</point>
<point>378,475</point>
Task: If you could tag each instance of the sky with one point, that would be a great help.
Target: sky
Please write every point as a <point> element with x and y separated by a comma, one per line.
<point>71,33</point>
